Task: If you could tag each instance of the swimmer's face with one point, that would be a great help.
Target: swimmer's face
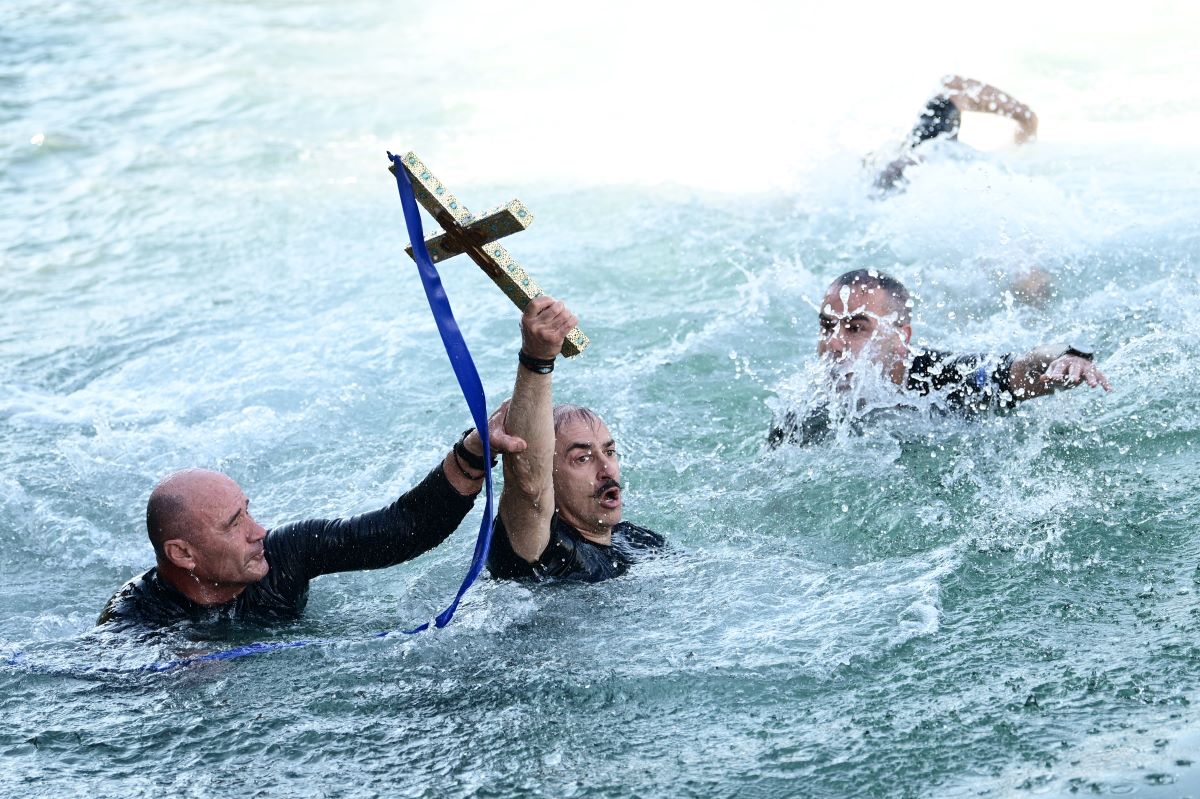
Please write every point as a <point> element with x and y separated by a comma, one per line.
<point>224,543</point>
<point>862,325</point>
<point>587,488</point>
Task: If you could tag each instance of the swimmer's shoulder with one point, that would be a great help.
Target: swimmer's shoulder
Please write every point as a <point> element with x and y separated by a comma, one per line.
<point>145,600</point>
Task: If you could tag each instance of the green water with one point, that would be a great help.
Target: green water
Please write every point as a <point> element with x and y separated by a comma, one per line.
<point>201,260</point>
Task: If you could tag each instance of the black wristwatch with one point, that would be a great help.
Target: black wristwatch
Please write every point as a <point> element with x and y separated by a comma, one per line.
<point>468,457</point>
<point>1087,355</point>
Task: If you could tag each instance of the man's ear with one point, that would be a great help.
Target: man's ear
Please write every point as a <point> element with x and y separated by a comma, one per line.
<point>906,331</point>
<point>179,552</point>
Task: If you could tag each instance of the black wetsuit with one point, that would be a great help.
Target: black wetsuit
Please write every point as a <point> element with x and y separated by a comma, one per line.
<point>972,383</point>
<point>940,119</point>
<point>416,522</point>
<point>570,556</point>
<point>967,385</point>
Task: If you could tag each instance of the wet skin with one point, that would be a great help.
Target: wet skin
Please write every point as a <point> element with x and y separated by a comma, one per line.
<point>587,474</point>
<point>221,550</point>
<point>859,323</point>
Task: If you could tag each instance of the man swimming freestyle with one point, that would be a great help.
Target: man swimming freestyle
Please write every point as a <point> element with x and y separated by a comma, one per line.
<point>942,118</point>
<point>214,562</point>
<point>866,325</point>
<point>560,511</point>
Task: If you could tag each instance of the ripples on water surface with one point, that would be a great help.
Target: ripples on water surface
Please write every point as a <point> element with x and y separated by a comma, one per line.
<point>202,265</point>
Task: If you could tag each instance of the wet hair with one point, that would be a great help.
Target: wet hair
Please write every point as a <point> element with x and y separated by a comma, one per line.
<point>940,119</point>
<point>874,280</point>
<point>165,517</point>
<point>566,413</point>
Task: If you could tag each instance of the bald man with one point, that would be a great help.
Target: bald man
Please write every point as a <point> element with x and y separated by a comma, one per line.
<point>215,562</point>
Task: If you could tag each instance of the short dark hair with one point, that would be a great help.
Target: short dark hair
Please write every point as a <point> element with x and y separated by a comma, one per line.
<point>874,280</point>
<point>165,512</point>
<point>566,413</point>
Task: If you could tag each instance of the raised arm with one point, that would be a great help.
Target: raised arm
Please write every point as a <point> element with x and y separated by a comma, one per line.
<point>527,502</point>
<point>1052,368</point>
<point>974,95</point>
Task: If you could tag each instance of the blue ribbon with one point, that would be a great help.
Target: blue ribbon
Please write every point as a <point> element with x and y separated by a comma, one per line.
<point>464,370</point>
<point>472,389</point>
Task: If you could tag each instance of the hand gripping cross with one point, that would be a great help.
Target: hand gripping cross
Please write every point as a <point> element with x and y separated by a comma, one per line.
<point>477,235</point>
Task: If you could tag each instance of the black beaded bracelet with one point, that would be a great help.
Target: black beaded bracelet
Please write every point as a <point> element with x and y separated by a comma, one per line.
<point>543,366</point>
<point>462,468</point>
<point>468,457</point>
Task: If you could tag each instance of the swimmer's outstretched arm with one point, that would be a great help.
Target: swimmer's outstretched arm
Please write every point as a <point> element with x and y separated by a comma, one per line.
<point>1040,372</point>
<point>527,502</point>
<point>974,95</point>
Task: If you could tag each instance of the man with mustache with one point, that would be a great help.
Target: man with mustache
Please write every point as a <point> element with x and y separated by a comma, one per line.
<point>560,511</point>
<point>866,324</point>
<point>215,563</point>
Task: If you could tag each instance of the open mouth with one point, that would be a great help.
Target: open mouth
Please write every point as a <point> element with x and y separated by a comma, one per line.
<point>609,495</point>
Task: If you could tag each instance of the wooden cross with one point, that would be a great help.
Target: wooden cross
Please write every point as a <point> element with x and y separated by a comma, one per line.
<point>476,236</point>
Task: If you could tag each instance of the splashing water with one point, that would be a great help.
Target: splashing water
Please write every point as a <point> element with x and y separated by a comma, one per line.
<point>202,265</point>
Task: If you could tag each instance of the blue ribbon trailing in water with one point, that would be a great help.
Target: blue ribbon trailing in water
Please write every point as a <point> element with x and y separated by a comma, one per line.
<point>472,389</point>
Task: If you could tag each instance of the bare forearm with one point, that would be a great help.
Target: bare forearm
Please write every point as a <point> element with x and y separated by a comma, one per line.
<point>1051,368</point>
<point>974,95</point>
<point>527,503</point>
<point>1025,376</point>
<point>531,416</point>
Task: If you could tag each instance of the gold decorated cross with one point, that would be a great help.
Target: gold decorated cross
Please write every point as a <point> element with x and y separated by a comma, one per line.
<point>477,235</point>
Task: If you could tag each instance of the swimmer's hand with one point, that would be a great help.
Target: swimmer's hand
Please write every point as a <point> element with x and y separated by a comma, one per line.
<point>1068,371</point>
<point>544,326</point>
<point>1044,371</point>
<point>502,441</point>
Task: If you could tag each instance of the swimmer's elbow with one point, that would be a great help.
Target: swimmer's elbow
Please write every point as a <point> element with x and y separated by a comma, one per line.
<point>527,549</point>
<point>953,82</point>
<point>528,530</point>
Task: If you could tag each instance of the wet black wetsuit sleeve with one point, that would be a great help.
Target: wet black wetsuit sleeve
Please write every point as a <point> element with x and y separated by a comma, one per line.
<point>940,117</point>
<point>815,427</point>
<point>785,431</point>
<point>968,382</point>
<point>415,523</point>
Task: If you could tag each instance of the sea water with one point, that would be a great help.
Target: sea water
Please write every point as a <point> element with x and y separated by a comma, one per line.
<point>201,263</point>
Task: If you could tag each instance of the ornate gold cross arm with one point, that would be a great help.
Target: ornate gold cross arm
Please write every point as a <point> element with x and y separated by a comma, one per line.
<point>477,237</point>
